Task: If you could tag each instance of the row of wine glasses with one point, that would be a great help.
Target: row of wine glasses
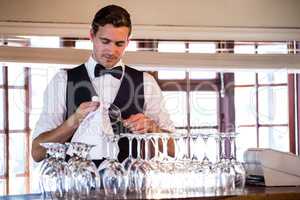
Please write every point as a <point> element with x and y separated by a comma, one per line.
<point>189,171</point>
<point>162,174</point>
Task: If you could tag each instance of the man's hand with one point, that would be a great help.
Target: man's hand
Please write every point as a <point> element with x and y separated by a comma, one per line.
<point>63,132</point>
<point>139,123</point>
<point>82,111</point>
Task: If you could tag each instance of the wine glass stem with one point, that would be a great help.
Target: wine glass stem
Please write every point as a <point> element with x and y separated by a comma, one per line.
<point>156,148</point>
<point>194,139</point>
<point>205,147</point>
<point>113,150</point>
<point>138,148</point>
<point>176,140</point>
<point>223,150</point>
<point>186,153</point>
<point>217,139</point>
<point>165,147</point>
<point>146,149</point>
<point>108,147</point>
<point>130,147</point>
<point>232,148</point>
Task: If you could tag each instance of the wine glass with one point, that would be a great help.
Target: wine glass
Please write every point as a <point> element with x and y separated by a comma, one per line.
<point>114,176</point>
<point>239,170</point>
<point>113,112</point>
<point>226,170</point>
<point>55,175</point>
<point>84,172</point>
<point>129,160</point>
<point>146,166</point>
<point>137,178</point>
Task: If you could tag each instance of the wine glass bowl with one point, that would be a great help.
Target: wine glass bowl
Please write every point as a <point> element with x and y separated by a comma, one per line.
<point>113,112</point>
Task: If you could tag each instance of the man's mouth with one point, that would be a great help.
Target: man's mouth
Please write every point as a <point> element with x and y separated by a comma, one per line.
<point>109,57</point>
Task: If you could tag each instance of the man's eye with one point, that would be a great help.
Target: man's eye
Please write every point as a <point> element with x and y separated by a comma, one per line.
<point>104,41</point>
<point>120,44</point>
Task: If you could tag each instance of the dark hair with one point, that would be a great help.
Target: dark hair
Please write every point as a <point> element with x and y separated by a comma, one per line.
<point>112,14</point>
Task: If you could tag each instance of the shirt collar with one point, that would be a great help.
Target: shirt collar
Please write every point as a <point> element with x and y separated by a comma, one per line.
<point>91,63</point>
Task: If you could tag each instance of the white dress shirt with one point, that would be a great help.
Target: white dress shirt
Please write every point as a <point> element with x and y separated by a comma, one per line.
<point>106,86</point>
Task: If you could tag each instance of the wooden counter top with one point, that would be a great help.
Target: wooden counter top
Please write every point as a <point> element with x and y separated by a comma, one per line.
<point>250,193</point>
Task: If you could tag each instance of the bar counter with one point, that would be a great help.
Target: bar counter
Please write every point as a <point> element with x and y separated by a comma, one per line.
<point>250,193</point>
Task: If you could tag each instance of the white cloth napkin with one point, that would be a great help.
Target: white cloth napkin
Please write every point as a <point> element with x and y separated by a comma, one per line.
<point>92,130</point>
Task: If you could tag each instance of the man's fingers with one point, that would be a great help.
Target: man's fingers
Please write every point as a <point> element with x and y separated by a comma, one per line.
<point>134,118</point>
<point>142,125</point>
<point>85,108</point>
<point>89,104</point>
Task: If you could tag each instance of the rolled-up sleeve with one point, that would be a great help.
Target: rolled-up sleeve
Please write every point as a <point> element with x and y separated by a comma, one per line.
<point>154,107</point>
<point>54,105</point>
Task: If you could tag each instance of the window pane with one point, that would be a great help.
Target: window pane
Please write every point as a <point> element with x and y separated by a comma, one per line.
<point>202,47</point>
<point>273,105</point>
<point>245,139</point>
<point>1,109</point>
<point>200,75</point>
<point>17,185</point>
<point>171,47</point>
<point>43,41</point>
<point>15,74</point>
<point>272,48</point>
<point>244,49</point>
<point>279,76</point>
<point>17,155</point>
<point>83,44</point>
<point>176,106</point>
<point>274,137</point>
<point>245,105</point>
<point>2,187</point>
<point>244,78</point>
<point>1,75</point>
<point>16,108</point>
<point>167,74</point>
<point>2,151</point>
<point>203,108</point>
<point>132,46</point>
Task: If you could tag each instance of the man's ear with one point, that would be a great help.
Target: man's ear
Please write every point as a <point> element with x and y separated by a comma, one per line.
<point>128,40</point>
<point>91,35</point>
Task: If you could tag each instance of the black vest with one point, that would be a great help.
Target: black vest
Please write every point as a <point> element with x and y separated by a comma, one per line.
<point>130,98</point>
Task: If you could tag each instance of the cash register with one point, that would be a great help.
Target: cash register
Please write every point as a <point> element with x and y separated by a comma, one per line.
<point>271,167</point>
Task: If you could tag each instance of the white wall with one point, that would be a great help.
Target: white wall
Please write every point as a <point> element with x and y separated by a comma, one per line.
<point>232,13</point>
<point>189,19</point>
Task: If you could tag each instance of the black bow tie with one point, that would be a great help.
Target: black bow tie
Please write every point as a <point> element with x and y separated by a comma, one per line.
<point>115,72</point>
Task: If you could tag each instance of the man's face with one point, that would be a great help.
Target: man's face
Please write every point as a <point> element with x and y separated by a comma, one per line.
<point>109,44</point>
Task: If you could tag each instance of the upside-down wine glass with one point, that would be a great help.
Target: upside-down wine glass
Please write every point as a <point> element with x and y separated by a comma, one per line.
<point>137,178</point>
<point>55,175</point>
<point>239,170</point>
<point>129,160</point>
<point>114,175</point>
<point>84,172</point>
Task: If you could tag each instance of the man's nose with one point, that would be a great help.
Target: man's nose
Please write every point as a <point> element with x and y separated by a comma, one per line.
<point>113,48</point>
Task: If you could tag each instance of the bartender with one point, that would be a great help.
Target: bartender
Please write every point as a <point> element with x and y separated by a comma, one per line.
<point>67,99</point>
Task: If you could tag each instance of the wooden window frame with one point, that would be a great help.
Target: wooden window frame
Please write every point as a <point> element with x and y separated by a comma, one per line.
<point>7,131</point>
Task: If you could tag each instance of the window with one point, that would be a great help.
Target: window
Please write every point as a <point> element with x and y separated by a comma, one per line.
<point>191,98</point>
<point>259,107</point>
<point>15,133</point>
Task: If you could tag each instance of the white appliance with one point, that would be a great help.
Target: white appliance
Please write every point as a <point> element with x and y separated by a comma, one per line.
<point>277,168</point>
